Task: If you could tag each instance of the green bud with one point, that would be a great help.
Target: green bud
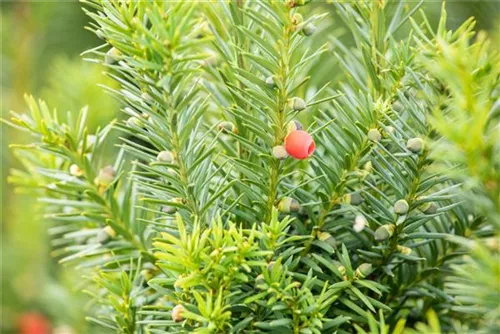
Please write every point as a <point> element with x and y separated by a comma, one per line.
<point>259,280</point>
<point>341,269</point>
<point>105,235</point>
<point>288,204</point>
<point>227,127</point>
<point>493,244</point>
<point>75,170</point>
<point>403,249</point>
<point>215,252</point>
<point>112,56</point>
<point>203,30</point>
<point>384,232</point>
<point>171,171</point>
<point>270,266</point>
<point>363,270</point>
<point>359,223</point>
<point>147,274</point>
<point>106,176</point>
<point>297,19</point>
<point>429,208</point>
<point>279,152</point>
<point>293,126</point>
<point>271,82</point>
<point>308,29</point>
<point>390,130</point>
<point>165,156</point>
<point>297,104</point>
<point>415,145</point>
<point>374,135</point>
<point>401,207</point>
<point>354,198</point>
<point>397,107</point>
<point>177,313</point>
<point>170,209</point>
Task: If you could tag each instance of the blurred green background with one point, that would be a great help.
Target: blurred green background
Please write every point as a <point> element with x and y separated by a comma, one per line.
<point>40,47</point>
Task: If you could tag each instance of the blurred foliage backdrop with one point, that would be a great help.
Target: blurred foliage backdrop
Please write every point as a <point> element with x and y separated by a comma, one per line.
<point>40,47</point>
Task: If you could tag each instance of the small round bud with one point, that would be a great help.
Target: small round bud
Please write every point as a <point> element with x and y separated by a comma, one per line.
<point>75,170</point>
<point>170,209</point>
<point>227,127</point>
<point>390,130</point>
<point>384,232</point>
<point>398,107</point>
<point>259,280</point>
<point>429,208</point>
<point>134,121</point>
<point>368,166</point>
<point>148,274</point>
<point>300,145</point>
<point>203,30</point>
<point>415,145</point>
<point>363,270</point>
<point>279,152</point>
<point>354,198</point>
<point>165,156</point>
<point>341,269</point>
<point>106,234</point>
<point>288,204</point>
<point>270,266</point>
<point>374,135</point>
<point>403,250</point>
<point>112,56</point>
<point>171,172</point>
<point>360,223</point>
<point>293,126</point>
<point>493,244</point>
<point>215,253</point>
<point>270,81</point>
<point>177,313</point>
<point>297,19</point>
<point>308,29</point>
<point>106,176</point>
<point>401,207</point>
<point>297,104</point>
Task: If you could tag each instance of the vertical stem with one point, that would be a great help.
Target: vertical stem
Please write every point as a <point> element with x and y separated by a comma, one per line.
<point>378,49</point>
<point>279,134</point>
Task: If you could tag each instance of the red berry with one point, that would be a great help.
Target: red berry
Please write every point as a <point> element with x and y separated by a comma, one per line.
<point>299,144</point>
<point>33,323</point>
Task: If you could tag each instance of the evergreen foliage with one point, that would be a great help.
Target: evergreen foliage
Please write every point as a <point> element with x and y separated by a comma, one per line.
<point>199,224</point>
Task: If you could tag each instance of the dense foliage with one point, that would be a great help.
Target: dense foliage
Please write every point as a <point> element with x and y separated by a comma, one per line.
<point>202,224</point>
